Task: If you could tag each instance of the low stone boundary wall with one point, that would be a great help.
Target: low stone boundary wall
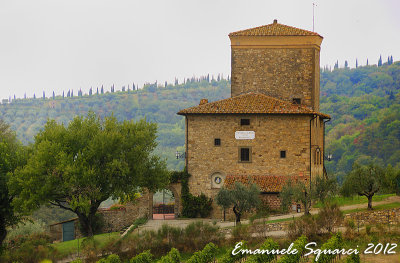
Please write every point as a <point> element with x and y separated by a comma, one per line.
<point>388,216</point>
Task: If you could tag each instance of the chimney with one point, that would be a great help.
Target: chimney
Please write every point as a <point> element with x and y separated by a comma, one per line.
<point>203,101</point>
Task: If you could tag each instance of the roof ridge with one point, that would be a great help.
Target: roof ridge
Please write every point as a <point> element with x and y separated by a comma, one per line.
<point>251,102</point>
<point>236,33</point>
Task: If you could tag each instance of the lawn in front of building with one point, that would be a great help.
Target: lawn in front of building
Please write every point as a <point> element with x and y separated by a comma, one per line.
<point>342,201</point>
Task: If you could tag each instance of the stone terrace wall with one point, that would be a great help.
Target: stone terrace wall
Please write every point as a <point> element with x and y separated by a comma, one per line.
<point>389,216</point>
<point>116,220</point>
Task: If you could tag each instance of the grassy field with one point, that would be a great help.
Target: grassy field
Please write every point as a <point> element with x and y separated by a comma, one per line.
<point>71,247</point>
<point>342,201</point>
<point>375,208</point>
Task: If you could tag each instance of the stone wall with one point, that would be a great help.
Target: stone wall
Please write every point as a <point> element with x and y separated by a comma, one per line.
<point>271,200</point>
<point>390,216</point>
<point>283,73</point>
<point>273,133</point>
<point>116,220</point>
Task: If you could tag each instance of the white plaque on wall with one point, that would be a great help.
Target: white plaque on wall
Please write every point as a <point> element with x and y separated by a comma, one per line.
<point>245,135</point>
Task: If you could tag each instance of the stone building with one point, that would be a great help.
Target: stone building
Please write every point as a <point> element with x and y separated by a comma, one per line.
<point>270,130</point>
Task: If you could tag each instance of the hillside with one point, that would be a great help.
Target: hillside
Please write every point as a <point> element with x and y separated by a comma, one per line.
<point>363,102</point>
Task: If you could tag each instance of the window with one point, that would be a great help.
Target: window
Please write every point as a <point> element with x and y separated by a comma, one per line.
<point>244,122</point>
<point>217,142</point>
<point>283,154</point>
<point>296,101</point>
<point>244,154</point>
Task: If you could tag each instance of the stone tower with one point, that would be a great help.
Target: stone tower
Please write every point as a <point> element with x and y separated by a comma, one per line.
<point>279,61</point>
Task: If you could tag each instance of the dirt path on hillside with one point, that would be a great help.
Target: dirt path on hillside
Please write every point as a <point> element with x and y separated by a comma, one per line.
<point>156,224</point>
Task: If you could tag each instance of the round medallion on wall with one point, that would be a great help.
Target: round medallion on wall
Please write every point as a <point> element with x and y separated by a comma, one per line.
<point>217,180</point>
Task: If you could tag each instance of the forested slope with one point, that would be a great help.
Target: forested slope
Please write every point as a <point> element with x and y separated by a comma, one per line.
<point>363,102</point>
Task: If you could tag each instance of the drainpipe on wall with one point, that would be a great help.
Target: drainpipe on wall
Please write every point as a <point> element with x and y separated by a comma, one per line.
<point>314,116</point>
<point>323,147</point>
<point>187,139</point>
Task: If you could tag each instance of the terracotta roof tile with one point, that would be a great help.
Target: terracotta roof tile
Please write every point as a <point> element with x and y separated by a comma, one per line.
<point>266,183</point>
<point>250,103</point>
<point>274,29</point>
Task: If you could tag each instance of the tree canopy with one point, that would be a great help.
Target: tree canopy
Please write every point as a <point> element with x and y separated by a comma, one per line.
<point>241,198</point>
<point>364,181</point>
<point>11,156</point>
<point>76,167</point>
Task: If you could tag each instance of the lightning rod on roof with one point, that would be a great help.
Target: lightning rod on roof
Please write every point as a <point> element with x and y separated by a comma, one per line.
<point>313,6</point>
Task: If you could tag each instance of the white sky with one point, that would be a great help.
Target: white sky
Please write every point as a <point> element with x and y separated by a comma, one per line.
<point>59,45</point>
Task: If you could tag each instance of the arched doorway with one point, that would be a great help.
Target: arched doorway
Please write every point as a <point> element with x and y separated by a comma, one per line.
<point>163,205</point>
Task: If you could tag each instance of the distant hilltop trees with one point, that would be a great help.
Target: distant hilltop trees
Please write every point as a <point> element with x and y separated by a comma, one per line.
<point>346,64</point>
<point>151,87</point>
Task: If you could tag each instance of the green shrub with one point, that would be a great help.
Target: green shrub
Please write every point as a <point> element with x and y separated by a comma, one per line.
<point>269,244</point>
<point>144,257</point>
<point>117,207</point>
<point>240,232</point>
<point>26,228</point>
<point>110,259</point>
<point>299,245</point>
<point>353,258</point>
<point>230,258</point>
<point>172,257</point>
<point>335,242</point>
<point>34,248</point>
<point>77,261</point>
<point>192,206</point>
<point>204,256</point>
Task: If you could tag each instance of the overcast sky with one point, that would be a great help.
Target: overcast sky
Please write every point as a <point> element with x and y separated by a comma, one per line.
<point>48,45</point>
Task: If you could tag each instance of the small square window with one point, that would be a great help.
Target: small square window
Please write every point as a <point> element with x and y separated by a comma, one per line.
<point>217,142</point>
<point>244,122</point>
<point>296,101</point>
<point>244,154</point>
<point>283,154</point>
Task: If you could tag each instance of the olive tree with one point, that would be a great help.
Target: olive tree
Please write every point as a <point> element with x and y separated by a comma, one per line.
<point>364,181</point>
<point>77,167</point>
<point>241,198</point>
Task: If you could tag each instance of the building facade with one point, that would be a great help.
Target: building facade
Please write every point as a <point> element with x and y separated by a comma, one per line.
<point>270,130</point>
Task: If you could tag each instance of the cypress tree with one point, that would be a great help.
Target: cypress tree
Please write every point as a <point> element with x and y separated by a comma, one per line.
<point>380,61</point>
<point>44,95</point>
<point>54,95</point>
<point>346,64</point>
<point>356,63</point>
